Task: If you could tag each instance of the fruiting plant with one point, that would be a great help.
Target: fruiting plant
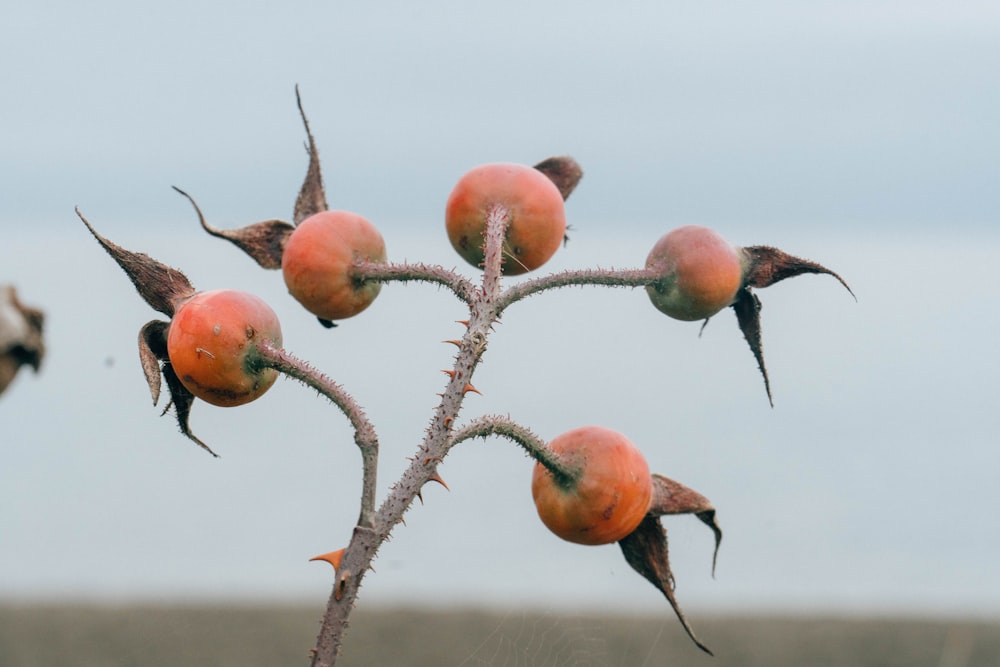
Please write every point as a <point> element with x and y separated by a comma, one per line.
<point>591,485</point>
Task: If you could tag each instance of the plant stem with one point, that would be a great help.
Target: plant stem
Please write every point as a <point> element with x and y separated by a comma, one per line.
<point>365,435</point>
<point>392,272</point>
<point>485,303</point>
<point>578,277</point>
<point>521,435</point>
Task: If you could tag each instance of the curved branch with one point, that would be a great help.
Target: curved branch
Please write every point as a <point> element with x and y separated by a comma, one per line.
<point>537,448</point>
<point>364,432</point>
<point>578,277</point>
<point>428,273</point>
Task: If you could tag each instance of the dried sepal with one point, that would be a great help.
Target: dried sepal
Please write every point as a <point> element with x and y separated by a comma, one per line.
<point>645,550</point>
<point>766,265</point>
<point>563,171</point>
<point>747,308</point>
<point>312,198</point>
<point>262,241</point>
<point>153,351</point>
<point>670,497</point>
<point>182,399</point>
<point>161,286</point>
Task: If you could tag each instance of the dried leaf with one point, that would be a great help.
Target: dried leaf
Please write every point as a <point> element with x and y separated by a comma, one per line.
<point>312,198</point>
<point>152,351</point>
<point>645,549</point>
<point>747,307</point>
<point>563,171</point>
<point>670,497</point>
<point>765,266</point>
<point>264,241</point>
<point>182,399</point>
<point>161,286</point>
<point>768,265</point>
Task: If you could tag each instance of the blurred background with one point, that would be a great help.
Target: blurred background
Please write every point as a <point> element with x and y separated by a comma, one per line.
<point>860,135</point>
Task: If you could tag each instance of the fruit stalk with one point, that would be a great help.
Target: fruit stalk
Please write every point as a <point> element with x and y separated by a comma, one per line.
<point>537,448</point>
<point>365,435</point>
<point>404,272</point>
<point>578,278</point>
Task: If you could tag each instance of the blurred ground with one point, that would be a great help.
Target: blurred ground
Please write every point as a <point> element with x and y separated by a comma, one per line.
<point>220,636</point>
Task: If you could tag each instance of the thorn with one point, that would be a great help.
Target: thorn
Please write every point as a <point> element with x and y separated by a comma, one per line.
<point>456,343</point>
<point>468,387</point>
<point>437,478</point>
<point>333,558</point>
<point>450,374</point>
<point>464,322</point>
<point>420,496</point>
<point>448,421</point>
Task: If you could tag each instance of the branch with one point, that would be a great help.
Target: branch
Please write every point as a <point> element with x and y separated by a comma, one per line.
<point>578,277</point>
<point>393,272</point>
<point>364,432</point>
<point>537,448</point>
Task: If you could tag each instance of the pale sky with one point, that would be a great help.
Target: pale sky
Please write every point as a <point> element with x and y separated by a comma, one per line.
<point>861,135</point>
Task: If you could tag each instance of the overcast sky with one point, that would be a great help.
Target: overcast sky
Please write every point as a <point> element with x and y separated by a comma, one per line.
<point>859,134</point>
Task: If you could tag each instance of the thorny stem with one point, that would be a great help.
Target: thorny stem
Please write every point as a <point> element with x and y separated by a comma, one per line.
<point>386,272</point>
<point>364,432</point>
<point>579,277</point>
<point>531,443</point>
<point>437,440</point>
<point>537,448</point>
<point>486,303</point>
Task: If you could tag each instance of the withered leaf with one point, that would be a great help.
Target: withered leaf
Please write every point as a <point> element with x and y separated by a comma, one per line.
<point>161,286</point>
<point>152,351</point>
<point>768,265</point>
<point>264,241</point>
<point>670,497</point>
<point>311,198</point>
<point>563,171</point>
<point>645,549</point>
<point>182,399</point>
<point>747,307</point>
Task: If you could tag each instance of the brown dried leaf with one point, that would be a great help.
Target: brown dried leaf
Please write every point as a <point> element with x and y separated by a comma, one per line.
<point>563,171</point>
<point>263,241</point>
<point>182,399</point>
<point>152,351</point>
<point>747,307</point>
<point>161,286</point>
<point>312,198</point>
<point>645,549</point>
<point>768,265</point>
<point>670,497</point>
